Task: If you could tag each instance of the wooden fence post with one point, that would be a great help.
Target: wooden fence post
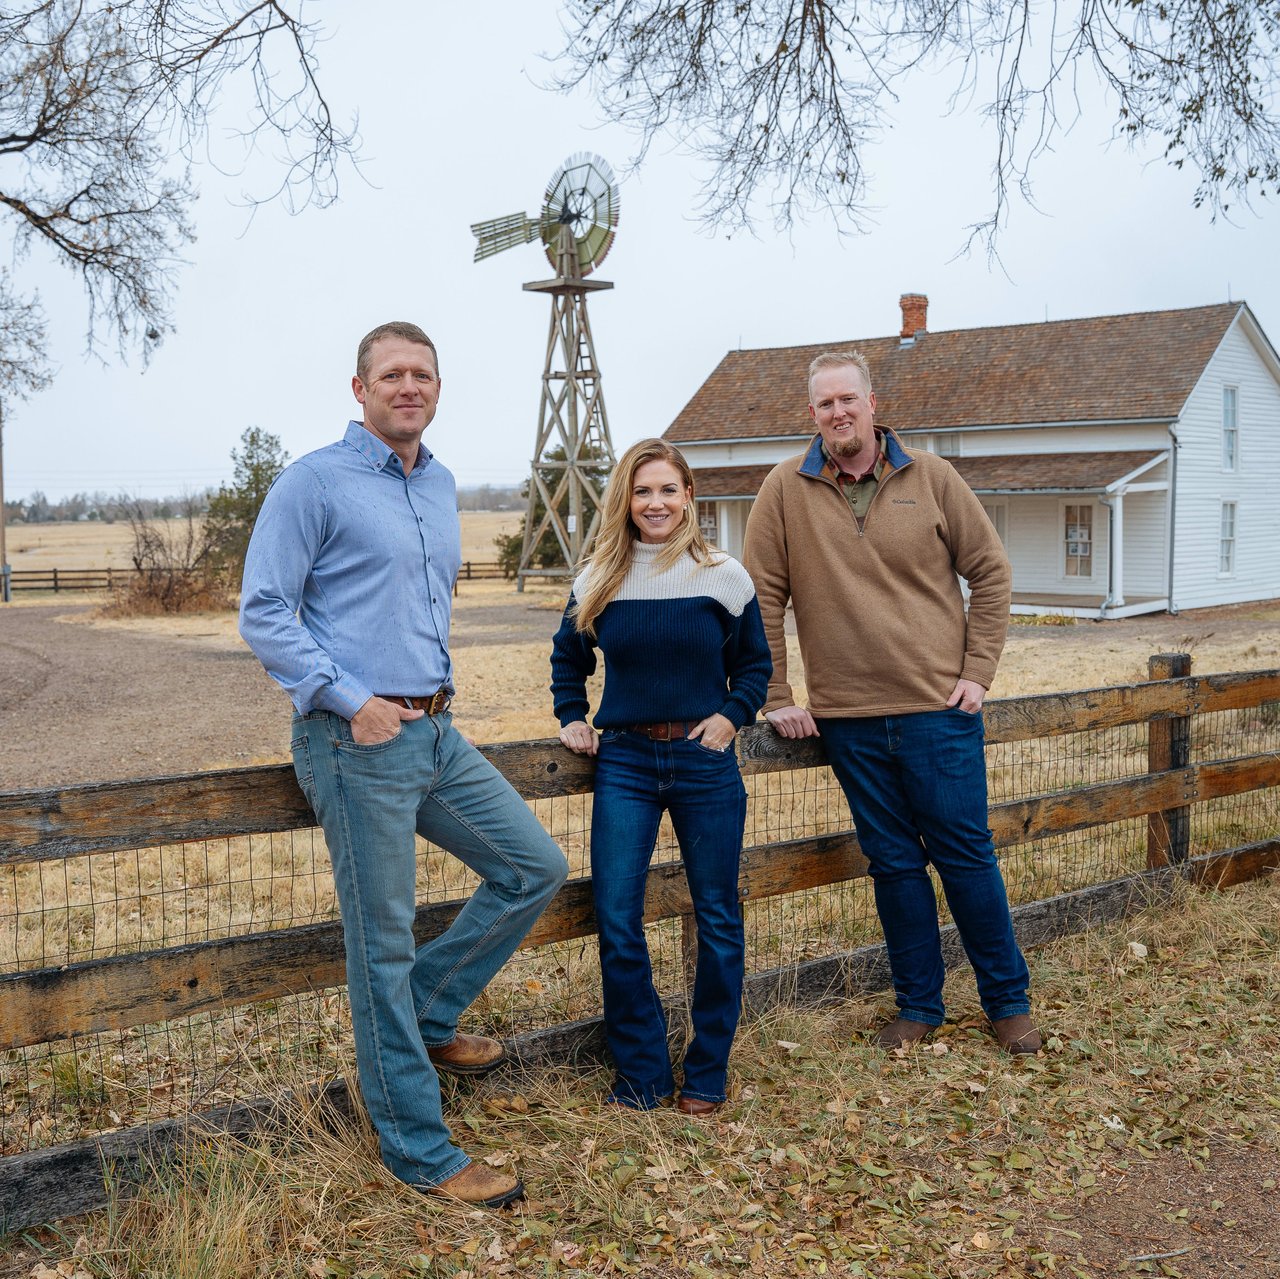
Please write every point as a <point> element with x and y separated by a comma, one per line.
<point>1168,747</point>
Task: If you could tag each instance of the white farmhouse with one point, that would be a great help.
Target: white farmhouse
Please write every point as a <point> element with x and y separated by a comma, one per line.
<point>1131,463</point>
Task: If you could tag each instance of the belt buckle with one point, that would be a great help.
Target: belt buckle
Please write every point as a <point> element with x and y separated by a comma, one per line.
<point>439,702</point>
<point>662,732</point>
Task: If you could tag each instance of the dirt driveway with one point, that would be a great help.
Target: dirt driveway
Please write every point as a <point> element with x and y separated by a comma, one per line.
<point>82,700</point>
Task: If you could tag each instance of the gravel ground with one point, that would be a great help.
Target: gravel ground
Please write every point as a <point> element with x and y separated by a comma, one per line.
<point>81,703</point>
<point>92,703</point>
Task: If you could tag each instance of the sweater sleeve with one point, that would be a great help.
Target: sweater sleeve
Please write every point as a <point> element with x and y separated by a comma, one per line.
<point>573,661</point>
<point>749,666</point>
<point>765,558</point>
<point>979,558</point>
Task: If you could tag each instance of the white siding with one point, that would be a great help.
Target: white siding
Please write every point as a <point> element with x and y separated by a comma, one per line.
<point>1036,547</point>
<point>1146,561</point>
<point>1203,485</point>
<point>1003,441</point>
<point>752,453</point>
<point>733,526</point>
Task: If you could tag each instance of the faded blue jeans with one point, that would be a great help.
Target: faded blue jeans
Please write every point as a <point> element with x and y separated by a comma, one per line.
<point>371,800</point>
<point>917,788</point>
<point>636,779</point>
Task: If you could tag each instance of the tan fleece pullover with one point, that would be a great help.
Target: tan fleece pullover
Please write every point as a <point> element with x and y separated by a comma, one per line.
<point>880,614</point>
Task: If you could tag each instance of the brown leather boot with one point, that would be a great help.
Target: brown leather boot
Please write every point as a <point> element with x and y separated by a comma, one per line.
<point>1017,1034</point>
<point>480,1185</point>
<point>901,1032</point>
<point>697,1106</point>
<point>468,1055</point>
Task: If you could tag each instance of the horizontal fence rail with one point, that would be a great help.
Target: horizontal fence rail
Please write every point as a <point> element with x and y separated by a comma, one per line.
<point>1147,729</point>
<point>108,579</point>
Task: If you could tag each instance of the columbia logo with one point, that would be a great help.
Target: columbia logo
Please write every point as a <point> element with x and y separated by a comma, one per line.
<point>904,501</point>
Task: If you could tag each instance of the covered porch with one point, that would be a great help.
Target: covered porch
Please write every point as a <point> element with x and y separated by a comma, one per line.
<point>1087,534</point>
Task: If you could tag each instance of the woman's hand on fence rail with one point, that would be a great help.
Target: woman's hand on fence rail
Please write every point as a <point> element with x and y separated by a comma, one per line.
<point>579,737</point>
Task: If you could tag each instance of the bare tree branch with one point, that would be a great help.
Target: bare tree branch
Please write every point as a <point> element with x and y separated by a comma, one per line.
<point>780,97</point>
<point>103,104</point>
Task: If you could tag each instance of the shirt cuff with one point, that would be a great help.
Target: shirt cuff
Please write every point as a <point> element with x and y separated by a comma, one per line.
<point>345,696</point>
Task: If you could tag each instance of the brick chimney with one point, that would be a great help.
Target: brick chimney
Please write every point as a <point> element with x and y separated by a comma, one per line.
<point>915,311</point>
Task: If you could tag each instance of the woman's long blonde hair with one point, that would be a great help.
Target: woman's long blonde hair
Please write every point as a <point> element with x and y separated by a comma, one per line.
<point>611,551</point>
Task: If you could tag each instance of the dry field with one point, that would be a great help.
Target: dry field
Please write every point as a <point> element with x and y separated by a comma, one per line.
<point>946,1164</point>
<point>93,544</point>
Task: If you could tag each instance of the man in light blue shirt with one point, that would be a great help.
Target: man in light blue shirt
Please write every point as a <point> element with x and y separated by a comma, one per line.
<point>346,602</point>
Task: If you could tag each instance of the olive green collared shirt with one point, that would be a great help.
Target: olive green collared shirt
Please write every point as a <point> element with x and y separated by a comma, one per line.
<point>857,492</point>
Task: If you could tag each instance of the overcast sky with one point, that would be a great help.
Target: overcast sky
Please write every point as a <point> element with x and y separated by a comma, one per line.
<point>457,128</point>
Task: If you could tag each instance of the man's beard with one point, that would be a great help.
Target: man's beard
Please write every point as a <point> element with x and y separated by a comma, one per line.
<point>848,448</point>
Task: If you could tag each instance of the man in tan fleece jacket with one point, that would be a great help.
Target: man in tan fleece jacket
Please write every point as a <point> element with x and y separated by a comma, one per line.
<point>865,538</point>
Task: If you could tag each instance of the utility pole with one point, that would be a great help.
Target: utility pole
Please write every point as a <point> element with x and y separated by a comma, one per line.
<point>5,595</point>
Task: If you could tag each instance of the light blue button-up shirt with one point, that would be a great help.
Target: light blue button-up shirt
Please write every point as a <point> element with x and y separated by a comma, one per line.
<point>349,575</point>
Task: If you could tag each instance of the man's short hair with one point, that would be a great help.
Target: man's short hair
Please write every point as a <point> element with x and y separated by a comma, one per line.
<point>393,329</point>
<point>838,359</point>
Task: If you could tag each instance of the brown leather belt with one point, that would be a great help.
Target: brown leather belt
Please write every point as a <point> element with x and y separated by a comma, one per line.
<point>436,704</point>
<point>667,731</point>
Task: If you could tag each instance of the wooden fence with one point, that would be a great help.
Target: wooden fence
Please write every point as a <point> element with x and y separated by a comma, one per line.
<point>128,990</point>
<point>107,579</point>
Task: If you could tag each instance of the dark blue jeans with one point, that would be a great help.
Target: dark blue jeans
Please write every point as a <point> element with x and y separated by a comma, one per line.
<point>636,779</point>
<point>917,787</point>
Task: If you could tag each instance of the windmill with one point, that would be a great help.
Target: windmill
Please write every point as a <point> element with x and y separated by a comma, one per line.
<point>576,227</point>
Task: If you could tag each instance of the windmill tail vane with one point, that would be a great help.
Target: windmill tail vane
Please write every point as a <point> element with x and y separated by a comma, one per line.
<point>503,233</point>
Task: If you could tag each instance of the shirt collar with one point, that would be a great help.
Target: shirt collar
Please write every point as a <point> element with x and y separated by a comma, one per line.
<point>843,477</point>
<point>376,453</point>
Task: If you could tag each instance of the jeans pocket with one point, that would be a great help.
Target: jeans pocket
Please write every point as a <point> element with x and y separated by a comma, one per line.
<point>368,748</point>
<point>300,748</point>
<point>612,734</point>
<point>344,740</point>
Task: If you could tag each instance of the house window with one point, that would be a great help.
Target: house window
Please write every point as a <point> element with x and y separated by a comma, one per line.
<point>708,523</point>
<point>947,444</point>
<point>1227,540</point>
<point>1078,540</point>
<point>998,514</point>
<point>1230,427</point>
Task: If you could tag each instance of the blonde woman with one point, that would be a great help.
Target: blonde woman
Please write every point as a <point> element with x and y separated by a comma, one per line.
<point>686,666</point>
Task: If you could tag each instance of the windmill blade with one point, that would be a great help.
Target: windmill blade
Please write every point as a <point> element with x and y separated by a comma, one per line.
<point>503,233</point>
<point>583,195</point>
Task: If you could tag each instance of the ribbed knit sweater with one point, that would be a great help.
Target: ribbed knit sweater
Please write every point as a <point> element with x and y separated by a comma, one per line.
<point>878,609</point>
<point>679,643</point>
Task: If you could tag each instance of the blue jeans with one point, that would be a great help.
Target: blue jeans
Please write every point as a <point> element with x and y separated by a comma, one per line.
<point>917,787</point>
<point>636,779</point>
<point>371,800</point>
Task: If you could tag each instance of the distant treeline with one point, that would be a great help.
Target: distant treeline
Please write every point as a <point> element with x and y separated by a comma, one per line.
<point>39,509</point>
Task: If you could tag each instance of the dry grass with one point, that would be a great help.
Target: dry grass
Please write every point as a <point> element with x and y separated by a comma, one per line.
<point>790,1181</point>
<point>79,544</point>
<point>949,1161</point>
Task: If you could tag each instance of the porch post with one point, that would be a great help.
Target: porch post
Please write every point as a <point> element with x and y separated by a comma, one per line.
<point>1117,550</point>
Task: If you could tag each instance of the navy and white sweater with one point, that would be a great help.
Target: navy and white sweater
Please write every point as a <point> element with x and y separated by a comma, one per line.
<point>680,643</point>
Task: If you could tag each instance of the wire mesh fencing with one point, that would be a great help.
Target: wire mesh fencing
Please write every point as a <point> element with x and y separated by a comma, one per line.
<point>93,906</point>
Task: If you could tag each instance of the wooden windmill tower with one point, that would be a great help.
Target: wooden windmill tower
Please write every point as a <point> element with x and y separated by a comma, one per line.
<point>573,452</point>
